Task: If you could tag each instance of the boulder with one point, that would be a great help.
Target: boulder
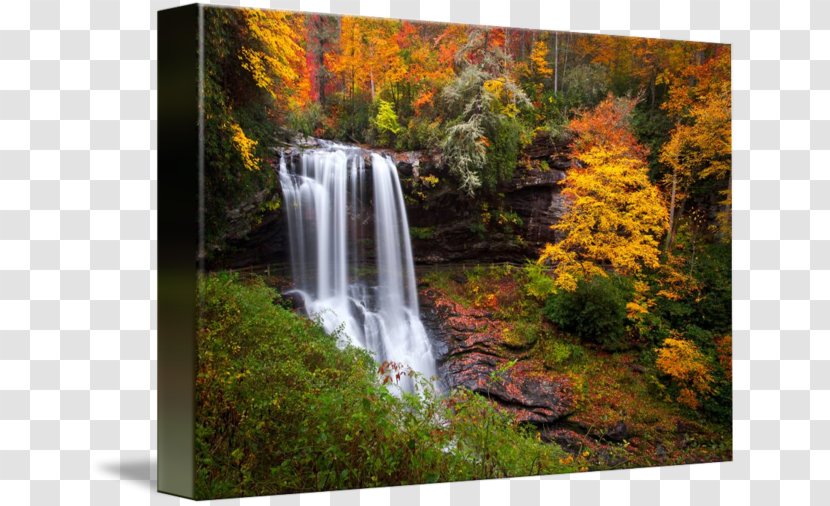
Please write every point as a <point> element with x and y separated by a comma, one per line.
<point>530,395</point>
<point>294,300</point>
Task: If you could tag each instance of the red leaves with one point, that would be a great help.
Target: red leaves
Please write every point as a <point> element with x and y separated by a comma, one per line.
<point>607,125</point>
<point>389,369</point>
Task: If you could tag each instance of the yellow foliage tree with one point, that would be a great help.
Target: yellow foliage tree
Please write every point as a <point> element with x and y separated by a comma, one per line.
<point>615,219</point>
<point>347,61</point>
<point>384,62</point>
<point>700,145</point>
<point>274,54</point>
<point>683,362</point>
<point>539,59</point>
<point>642,303</point>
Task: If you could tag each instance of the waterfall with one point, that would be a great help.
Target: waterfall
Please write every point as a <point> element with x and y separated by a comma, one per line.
<point>351,255</point>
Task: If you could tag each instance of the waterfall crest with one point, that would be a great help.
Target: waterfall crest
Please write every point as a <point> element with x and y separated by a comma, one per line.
<point>351,255</point>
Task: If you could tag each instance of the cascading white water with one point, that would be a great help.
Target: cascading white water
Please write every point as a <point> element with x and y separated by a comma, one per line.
<point>371,298</point>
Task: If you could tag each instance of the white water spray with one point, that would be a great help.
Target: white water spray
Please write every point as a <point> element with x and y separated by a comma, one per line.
<point>367,292</point>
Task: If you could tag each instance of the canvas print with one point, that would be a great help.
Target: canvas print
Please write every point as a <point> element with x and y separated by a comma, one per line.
<point>433,252</point>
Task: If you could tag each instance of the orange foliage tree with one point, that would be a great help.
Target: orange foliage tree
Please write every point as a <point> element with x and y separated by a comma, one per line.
<point>700,145</point>
<point>369,57</point>
<point>426,70</point>
<point>616,216</point>
<point>347,63</point>
<point>607,126</point>
<point>274,54</point>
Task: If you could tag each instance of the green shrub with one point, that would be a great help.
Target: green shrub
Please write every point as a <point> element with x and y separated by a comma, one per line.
<point>508,220</point>
<point>353,118</point>
<point>560,352</point>
<point>490,444</point>
<point>419,134</point>
<point>719,406</point>
<point>306,121</point>
<point>595,311</point>
<point>478,228</point>
<point>521,334</point>
<point>713,268</point>
<point>280,409</point>
<point>505,142</point>
<point>538,283</point>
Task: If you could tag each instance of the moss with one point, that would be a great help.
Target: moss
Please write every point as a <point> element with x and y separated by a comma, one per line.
<point>422,233</point>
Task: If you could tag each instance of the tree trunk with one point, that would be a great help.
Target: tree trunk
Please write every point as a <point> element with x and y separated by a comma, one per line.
<point>678,217</point>
<point>556,63</point>
<point>565,50</point>
<point>671,210</point>
<point>694,248</point>
<point>653,90</point>
<point>726,211</point>
<point>321,77</point>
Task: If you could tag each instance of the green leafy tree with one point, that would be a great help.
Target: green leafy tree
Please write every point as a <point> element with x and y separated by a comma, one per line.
<point>386,122</point>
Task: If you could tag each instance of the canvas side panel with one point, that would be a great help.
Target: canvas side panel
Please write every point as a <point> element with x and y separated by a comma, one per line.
<point>178,233</point>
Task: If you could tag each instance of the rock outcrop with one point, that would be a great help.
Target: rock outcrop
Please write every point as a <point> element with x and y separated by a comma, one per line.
<point>451,224</point>
<point>456,232</point>
<point>473,353</point>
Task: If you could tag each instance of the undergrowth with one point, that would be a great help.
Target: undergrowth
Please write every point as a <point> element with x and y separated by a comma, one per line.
<point>281,408</point>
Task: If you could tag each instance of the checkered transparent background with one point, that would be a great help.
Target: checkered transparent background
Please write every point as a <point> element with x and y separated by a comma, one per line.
<point>78,252</point>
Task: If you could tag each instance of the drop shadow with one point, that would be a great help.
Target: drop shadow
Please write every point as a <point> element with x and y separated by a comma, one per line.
<point>137,469</point>
<point>141,471</point>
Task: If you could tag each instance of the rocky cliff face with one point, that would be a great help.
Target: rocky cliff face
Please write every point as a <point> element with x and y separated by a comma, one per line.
<point>447,227</point>
<point>454,228</point>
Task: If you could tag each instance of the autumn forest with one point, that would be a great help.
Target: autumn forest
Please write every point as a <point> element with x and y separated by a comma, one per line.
<point>567,200</point>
